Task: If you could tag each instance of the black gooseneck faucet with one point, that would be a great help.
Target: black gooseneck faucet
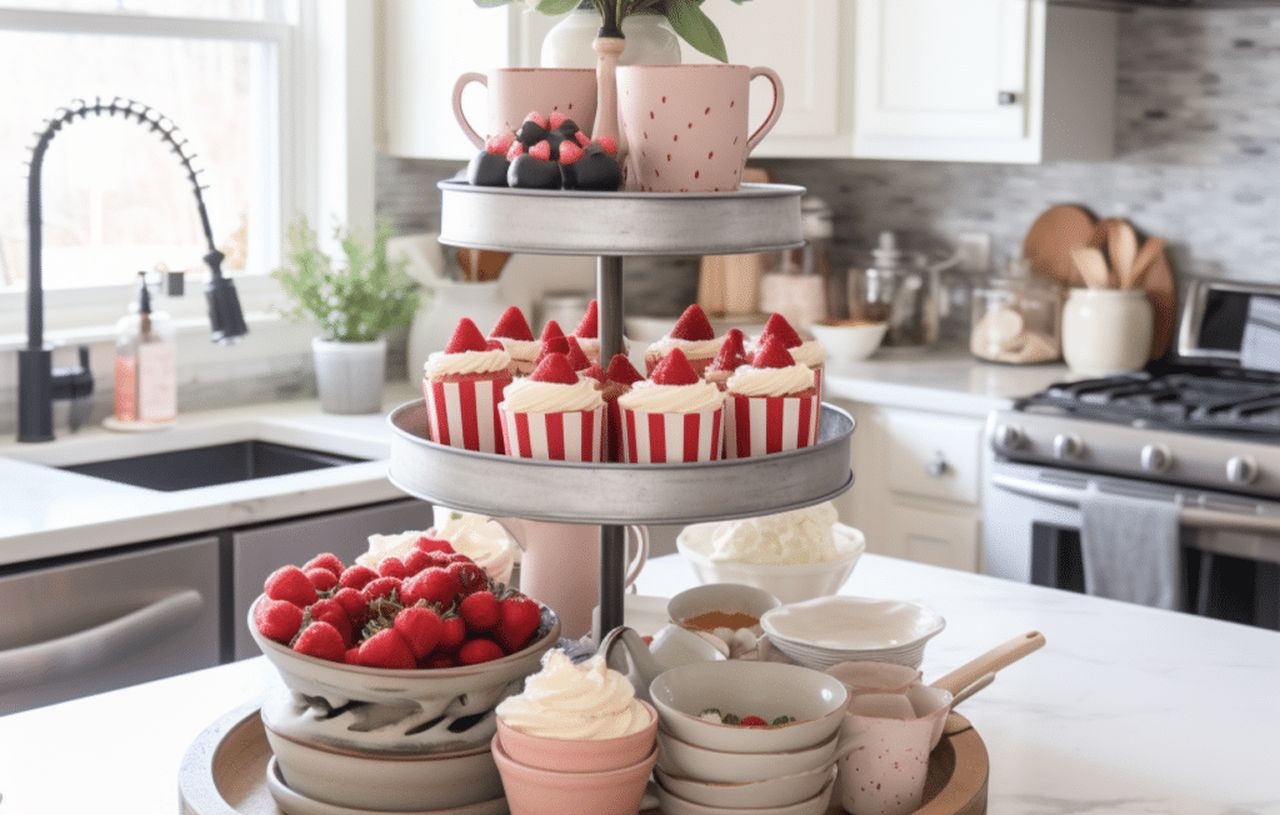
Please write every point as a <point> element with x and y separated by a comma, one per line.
<point>39,383</point>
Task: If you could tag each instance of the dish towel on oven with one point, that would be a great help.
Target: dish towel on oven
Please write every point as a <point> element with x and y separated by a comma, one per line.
<point>1131,549</point>
<point>1260,346</point>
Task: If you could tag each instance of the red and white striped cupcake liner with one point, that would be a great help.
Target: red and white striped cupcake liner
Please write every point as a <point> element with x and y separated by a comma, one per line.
<point>759,425</point>
<point>662,438</point>
<point>463,412</point>
<point>576,435</point>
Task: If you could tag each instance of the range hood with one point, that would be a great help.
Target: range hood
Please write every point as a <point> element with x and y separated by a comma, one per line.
<point>1195,5</point>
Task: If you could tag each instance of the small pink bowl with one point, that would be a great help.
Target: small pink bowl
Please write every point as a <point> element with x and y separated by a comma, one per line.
<point>579,755</point>
<point>532,791</point>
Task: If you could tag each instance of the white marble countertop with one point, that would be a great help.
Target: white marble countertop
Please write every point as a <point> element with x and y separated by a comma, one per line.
<point>1127,709</point>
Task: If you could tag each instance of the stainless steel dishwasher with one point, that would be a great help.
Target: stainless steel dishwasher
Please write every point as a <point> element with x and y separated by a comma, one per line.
<point>74,627</point>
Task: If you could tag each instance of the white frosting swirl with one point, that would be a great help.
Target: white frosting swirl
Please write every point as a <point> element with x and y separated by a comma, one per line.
<point>523,350</point>
<point>748,381</point>
<point>589,701</point>
<point>475,536</point>
<point>526,395</point>
<point>693,349</point>
<point>809,352</point>
<point>466,362</point>
<point>800,536</point>
<point>650,397</point>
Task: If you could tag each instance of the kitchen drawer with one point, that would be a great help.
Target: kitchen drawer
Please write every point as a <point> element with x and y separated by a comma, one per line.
<point>97,624</point>
<point>943,539</point>
<point>936,457</point>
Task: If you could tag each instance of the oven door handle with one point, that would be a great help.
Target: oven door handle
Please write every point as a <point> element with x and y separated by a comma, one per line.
<point>82,651</point>
<point>1197,517</point>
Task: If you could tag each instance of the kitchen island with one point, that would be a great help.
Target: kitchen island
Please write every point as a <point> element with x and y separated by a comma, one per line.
<point>1127,710</point>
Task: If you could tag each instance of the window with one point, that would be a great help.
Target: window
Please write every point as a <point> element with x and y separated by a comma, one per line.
<point>114,199</point>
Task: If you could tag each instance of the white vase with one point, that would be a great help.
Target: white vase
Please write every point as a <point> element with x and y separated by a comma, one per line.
<point>1106,331</point>
<point>450,301</point>
<point>350,375</point>
<point>650,41</point>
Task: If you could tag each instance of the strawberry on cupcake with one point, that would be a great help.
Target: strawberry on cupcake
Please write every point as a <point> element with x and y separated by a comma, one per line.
<point>674,416</point>
<point>513,333</point>
<point>577,358</point>
<point>553,414</point>
<point>463,385</point>
<point>805,352</point>
<point>618,380</point>
<point>588,333</point>
<point>732,356</point>
<point>693,335</point>
<point>772,405</point>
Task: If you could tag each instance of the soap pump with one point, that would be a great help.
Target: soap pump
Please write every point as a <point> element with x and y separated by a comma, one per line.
<point>146,368</point>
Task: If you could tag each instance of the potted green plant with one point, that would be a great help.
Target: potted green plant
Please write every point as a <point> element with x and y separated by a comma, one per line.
<point>354,301</point>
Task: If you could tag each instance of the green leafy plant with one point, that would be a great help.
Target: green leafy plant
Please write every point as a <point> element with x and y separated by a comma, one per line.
<point>685,16</point>
<point>357,301</point>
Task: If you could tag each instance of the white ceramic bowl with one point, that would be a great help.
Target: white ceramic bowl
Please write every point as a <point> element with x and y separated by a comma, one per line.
<point>765,689</point>
<point>727,597</point>
<point>673,804</point>
<point>769,792</point>
<point>790,583</point>
<point>829,630</point>
<point>292,802</point>
<point>849,343</point>
<point>681,758</point>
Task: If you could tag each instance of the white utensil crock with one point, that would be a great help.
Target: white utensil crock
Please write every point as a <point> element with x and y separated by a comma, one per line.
<point>1106,331</point>
<point>350,375</point>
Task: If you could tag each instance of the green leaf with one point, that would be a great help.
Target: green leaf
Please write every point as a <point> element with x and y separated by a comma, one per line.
<point>555,8</point>
<point>696,28</point>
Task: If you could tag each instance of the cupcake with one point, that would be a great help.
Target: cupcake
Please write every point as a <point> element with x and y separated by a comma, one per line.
<point>588,333</point>
<point>772,405</point>
<point>618,380</point>
<point>675,416</point>
<point>463,385</point>
<point>512,331</point>
<point>553,414</point>
<point>693,335</point>
<point>732,356</point>
<point>577,358</point>
<point>805,352</point>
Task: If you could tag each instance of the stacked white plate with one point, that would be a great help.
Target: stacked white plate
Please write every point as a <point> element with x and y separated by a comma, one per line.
<point>830,630</point>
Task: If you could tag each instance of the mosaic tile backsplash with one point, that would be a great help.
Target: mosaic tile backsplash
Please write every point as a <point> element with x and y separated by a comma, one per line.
<point>1197,162</point>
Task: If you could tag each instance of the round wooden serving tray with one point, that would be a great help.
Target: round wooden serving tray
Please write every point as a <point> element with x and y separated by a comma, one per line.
<point>225,770</point>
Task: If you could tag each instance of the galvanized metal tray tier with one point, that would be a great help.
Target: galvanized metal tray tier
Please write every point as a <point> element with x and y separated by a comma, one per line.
<point>572,492</point>
<point>756,218</point>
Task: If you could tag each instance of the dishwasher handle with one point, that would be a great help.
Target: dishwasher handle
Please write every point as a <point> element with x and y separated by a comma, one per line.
<point>85,650</point>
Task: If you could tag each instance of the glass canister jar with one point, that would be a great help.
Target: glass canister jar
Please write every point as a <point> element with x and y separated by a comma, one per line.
<point>1017,319</point>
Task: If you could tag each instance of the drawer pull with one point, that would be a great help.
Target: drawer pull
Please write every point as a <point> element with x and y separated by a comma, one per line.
<point>937,466</point>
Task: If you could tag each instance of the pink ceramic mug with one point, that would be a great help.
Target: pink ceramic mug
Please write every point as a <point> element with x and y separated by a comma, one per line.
<point>686,125</point>
<point>516,92</point>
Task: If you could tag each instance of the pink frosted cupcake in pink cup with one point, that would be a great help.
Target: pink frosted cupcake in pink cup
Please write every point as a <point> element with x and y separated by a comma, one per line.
<point>554,414</point>
<point>772,405</point>
<point>674,416</point>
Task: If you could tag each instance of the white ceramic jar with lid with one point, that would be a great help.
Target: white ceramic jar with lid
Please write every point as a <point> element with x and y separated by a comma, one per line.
<point>1016,319</point>
<point>1106,331</point>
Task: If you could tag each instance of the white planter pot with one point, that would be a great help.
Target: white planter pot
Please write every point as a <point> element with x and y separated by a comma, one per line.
<point>350,375</point>
<point>650,41</point>
<point>1106,331</point>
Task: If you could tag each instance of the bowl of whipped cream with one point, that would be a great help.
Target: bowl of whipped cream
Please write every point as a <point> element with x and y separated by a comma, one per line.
<point>795,556</point>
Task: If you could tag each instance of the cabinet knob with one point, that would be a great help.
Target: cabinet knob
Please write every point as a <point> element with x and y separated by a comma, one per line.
<point>1067,445</point>
<point>1007,97</point>
<point>937,466</point>
<point>1009,437</point>
<point>1242,470</point>
<point>1156,458</point>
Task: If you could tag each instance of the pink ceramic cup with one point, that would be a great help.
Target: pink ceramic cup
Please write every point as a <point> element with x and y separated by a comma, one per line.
<point>516,92</point>
<point>531,791</point>
<point>579,755</point>
<point>686,125</point>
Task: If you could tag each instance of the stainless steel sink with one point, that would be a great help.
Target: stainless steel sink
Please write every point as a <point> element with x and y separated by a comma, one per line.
<point>209,466</point>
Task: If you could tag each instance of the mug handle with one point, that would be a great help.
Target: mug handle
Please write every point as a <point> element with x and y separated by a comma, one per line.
<point>458,87</point>
<point>775,112</point>
<point>641,556</point>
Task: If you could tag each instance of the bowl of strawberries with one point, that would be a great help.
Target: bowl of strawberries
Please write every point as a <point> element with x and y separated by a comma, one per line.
<point>409,657</point>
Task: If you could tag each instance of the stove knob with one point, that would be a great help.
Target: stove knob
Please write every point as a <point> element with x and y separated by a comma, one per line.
<point>1242,470</point>
<point>1067,445</point>
<point>1010,437</point>
<point>1156,458</point>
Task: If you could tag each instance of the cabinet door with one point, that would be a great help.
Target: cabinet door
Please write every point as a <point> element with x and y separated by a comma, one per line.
<point>937,538</point>
<point>943,69</point>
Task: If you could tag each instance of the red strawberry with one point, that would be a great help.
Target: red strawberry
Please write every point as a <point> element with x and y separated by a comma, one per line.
<point>556,119</point>
<point>515,151</point>
<point>589,327</point>
<point>325,560</point>
<point>499,144</point>
<point>322,641</point>
<point>382,587</point>
<point>593,371</point>
<point>494,345</point>
<point>321,579</point>
<point>333,613</point>
<point>426,544</point>
<point>582,138</point>
<point>392,567</point>
<point>438,660</point>
<point>354,605</point>
<point>416,561</point>
<point>466,337</point>
<point>480,611</point>
<point>520,618</point>
<point>352,656</point>
<point>733,353</point>
<point>471,578</point>
<point>290,583</point>
<point>773,355</point>
<point>541,151</point>
<point>434,585</point>
<point>693,325</point>
<point>421,628</point>
<point>781,330</point>
<point>277,620</point>
<point>453,632</point>
<point>752,721</point>
<point>386,649</point>
<point>550,331</point>
<point>440,559</point>
<point>473,652</point>
<point>357,577</point>
<point>674,369</point>
<point>569,152</point>
<point>609,144</point>
<point>537,118</point>
<point>622,371</point>
<point>512,326</point>
<point>453,557</point>
<point>577,358</point>
<point>554,368</point>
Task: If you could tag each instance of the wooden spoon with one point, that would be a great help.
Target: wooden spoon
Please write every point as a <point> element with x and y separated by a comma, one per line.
<point>1151,249</point>
<point>1122,248</point>
<point>997,659</point>
<point>1093,267</point>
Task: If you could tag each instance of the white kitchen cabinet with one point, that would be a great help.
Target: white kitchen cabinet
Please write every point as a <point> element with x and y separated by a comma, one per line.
<point>1011,81</point>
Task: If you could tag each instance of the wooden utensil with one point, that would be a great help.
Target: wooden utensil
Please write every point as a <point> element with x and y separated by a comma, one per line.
<point>481,265</point>
<point>1122,249</point>
<point>986,680</point>
<point>1151,249</point>
<point>1092,266</point>
<point>1162,291</point>
<point>729,285</point>
<point>1051,238</point>
<point>997,659</point>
